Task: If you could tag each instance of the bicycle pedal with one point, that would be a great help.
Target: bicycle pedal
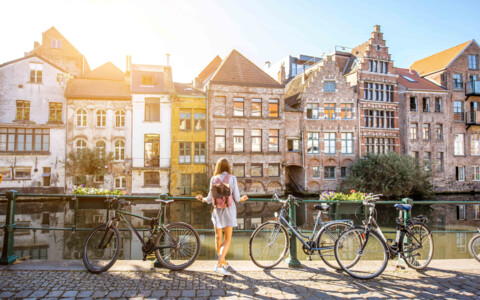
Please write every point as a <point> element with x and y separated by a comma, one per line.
<point>400,267</point>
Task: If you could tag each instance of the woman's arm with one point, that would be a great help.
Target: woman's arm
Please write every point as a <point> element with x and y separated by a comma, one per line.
<point>209,197</point>
<point>235,190</point>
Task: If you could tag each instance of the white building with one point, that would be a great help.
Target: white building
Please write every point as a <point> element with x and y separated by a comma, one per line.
<point>151,87</point>
<point>32,125</point>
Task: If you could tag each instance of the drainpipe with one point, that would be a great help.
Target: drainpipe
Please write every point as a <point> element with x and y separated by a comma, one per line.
<point>303,162</point>
<point>359,135</point>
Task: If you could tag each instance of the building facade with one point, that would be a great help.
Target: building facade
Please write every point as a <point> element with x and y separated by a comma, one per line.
<point>246,125</point>
<point>32,125</point>
<point>188,175</point>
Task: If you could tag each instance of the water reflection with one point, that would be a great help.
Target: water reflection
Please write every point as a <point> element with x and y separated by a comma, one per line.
<point>43,243</point>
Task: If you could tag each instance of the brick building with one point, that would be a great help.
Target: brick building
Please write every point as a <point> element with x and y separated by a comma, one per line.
<point>457,70</point>
<point>246,124</point>
<point>369,69</point>
<point>328,128</point>
<point>99,116</point>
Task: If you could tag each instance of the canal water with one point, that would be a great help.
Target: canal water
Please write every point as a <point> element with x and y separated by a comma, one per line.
<point>453,225</point>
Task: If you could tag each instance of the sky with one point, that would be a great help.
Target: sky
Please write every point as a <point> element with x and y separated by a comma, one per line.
<point>195,31</point>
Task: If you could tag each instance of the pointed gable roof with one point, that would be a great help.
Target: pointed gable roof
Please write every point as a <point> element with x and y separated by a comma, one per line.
<point>438,61</point>
<point>106,71</point>
<point>210,69</point>
<point>236,69</point>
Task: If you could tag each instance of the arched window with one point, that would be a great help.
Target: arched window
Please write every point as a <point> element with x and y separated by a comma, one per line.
<point>81,118</point>
<point>119,150</point>
<point>100,148</point>
<point>101,118</point>
<point>120,118</point>
<point>80,145</point>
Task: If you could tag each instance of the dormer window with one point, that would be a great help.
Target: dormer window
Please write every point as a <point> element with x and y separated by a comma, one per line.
<point>36,72</point>
<point>56,44</point>
<point>147,79</point>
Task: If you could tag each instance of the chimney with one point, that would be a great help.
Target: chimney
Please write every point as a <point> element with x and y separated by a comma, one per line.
<point>281,74</point>
<point>36,44</point>
<point>376,28</point>
<point>168,60</point>
<point>267,64</point>
<point>128,67</point>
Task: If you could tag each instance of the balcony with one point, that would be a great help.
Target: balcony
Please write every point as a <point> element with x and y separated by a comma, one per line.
<point>472,88</point>
<point>472,118</point>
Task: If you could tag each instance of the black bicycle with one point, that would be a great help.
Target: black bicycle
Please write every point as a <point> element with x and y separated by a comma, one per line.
<point>474,246</point>
<point>176,245</point>
<point>368,259</point>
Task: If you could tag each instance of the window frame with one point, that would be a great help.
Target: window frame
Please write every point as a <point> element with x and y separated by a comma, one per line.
<point>238,133</point>
<point>120,118</point>
<point>311,140</point>
<point>458,111</point>
<point>256,166</point>
<point>123,183</point>
<point>329,111</point>
<point>252,137</point>
<point>346,143</point>
<point>57,109</point>
<point>346,110</point>
<point>151,138</point>
<point>273,103</point>
<point>236,166</point>
<point>101,117</point>
<point>415,108</point>
<point>157,184</point>
<point>256,101</point>
<point>119,150</point>
<point>293,142</point>
<point>457,150</point>
<point>274,140</point>
<point>185,117</point>
<point>329,86</point>
<point>277,167</point>
<point>236,112</point>
<point>218,136</point>
<point>312,108</point>
<point>198,150</point>
<point>23,110</point>
<point>184,153</point>
<point>327,170</point>
<point>82,114</point>
<point>198,119</point>
<point>329,143</point>
<point>150,106</point>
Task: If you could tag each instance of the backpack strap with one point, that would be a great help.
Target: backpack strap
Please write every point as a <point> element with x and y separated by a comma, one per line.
<point>226,178</point>
<point>217,180</point>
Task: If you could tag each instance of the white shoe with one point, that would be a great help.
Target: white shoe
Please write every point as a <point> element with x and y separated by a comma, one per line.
<point>226,266</point>
<point>222,271</point>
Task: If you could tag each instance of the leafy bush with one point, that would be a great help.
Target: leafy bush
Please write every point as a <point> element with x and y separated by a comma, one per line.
<point>81,190</point>
<point>390,174</point>
<point>352,196</point>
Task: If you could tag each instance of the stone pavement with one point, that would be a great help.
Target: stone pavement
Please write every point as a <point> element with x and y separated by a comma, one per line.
<point>443,279</point>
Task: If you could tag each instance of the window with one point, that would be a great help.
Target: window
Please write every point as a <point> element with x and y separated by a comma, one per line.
<point>47,173</point>
<point>476,173</point>
<point>256,140</point>
<point>120,183</point>
<point>21,139</point>
<point>316,172</point>
<point>329,173</point>
<point>312,111</point>
<point>413,131</point>
<point>220,139</point>
<point>379,119</point>
<point>329,86</point>
<point>23,173</point>
<point>440,162</point>
<point>389,93</point>
<point>55,112</point>
<point>462,240</point>
<point>461,212</point>
<point>426,131</point>
<point>185,184</point>
<point>343,172</point>
<point>148,80</point>
<point>329,143</point>
<point>416,155</point>
<point>476,213</point>
<point>390,119</point>
<point>378,92</point>
<point>238,107</point>
<point>36,71</point>
<point>329,110</point>
<point>151,179</point>
<point>152,150</point>
<point>100,148</point>
<point>256,107</point>
<point>473,62</point>
<point>274,170</point>
<point>313,142</point>
<point>185,120</point>
<point>101,118</point>
<point>56,44</point>
<point>438,104</point>
<point>346,110</point>
<point>273,108</point>
<point>185,152</point>
<point>368,91</point>
<point>370,145</point>
<point>273,140</point>
<point>293,145</point>
<point>347,142</point>
<point>99,178</point>
<point>439,132</point>
<point>391,145</point>
<point>427,160</point>
<point>458,111</point>
<point>460,173</point>
<point>238,138</point>
<point>23,110</point>
<point>80,145</point>
<point>6,173</point>
<point>256,170</point>
<point>119,150</point>
<point>458,148</point>
<point>457,81</point>
<point>369,118</point>
<point>413,104</point>
<point>81,118</point>
<point>199,121</point>
<point>426,104</point>
<point>475,144</point>
<point>380,145</point>
<point>372,65</point>
<point>120,118</point>
<point>200,153</point>
<point>152,109</point>
<point>238,170</point>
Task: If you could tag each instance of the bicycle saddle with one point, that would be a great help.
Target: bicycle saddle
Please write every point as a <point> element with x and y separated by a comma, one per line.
<point>323,207</point>
<point>164,201</point>
<point>403,206</point>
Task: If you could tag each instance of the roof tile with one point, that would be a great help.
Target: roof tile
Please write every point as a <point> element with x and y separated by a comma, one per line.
<point>419,83</point>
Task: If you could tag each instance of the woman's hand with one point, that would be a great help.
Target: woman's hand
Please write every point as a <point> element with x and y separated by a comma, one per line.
<point>200,198</point>
<point>243,198</point>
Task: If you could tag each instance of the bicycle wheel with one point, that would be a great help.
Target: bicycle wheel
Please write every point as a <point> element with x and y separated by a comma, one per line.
<point>474,247</point>
<point>326,239</point>
<point>268,244</point>
<point>417,246</point>
<point>182,246</point>
<point>366,265</point>
<point>101,248</point>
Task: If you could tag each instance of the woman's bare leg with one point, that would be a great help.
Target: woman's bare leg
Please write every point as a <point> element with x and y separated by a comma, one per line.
<point>218,240</point>
<point>225,246</point>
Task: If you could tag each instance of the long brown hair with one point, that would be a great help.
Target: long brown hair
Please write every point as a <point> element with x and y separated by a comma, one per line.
<point>222,166</point>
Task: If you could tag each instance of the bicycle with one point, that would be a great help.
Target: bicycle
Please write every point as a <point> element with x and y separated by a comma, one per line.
<point>474,246</point>
<point>413,243</point>
<point>176,245</point>
<point>270,242</point>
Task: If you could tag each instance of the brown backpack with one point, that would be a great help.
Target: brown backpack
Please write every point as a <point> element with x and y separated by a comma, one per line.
<point>221,193</point>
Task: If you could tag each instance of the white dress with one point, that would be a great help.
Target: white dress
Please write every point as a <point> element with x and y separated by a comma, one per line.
<point>224,217</point>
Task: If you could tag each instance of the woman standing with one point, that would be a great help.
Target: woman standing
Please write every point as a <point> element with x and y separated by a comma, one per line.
<point>224,219</point>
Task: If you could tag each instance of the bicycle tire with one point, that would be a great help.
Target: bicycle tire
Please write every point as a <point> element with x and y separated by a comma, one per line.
<point>327,238</point>
<point>411,260</point>
<point>255,244</point>
<point>89,253</point>
<point>171,258</point>
<point>474,247</point>
<point>342,253</point>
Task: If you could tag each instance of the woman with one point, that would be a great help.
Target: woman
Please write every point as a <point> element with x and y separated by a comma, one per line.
<point>224,219</point>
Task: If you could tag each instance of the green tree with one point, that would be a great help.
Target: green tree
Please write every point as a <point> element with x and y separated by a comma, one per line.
<point>389,174</point>
<point>86,162</point>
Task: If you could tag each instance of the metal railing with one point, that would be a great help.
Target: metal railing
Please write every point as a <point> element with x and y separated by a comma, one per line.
<point>8,256</point>
<point>472,87</point>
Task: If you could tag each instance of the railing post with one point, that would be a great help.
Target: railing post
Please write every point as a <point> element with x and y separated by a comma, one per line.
<point>292,259</point>
<point>8,257</point>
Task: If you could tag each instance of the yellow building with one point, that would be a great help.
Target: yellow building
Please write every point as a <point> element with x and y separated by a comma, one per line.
<point>188,174</point>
